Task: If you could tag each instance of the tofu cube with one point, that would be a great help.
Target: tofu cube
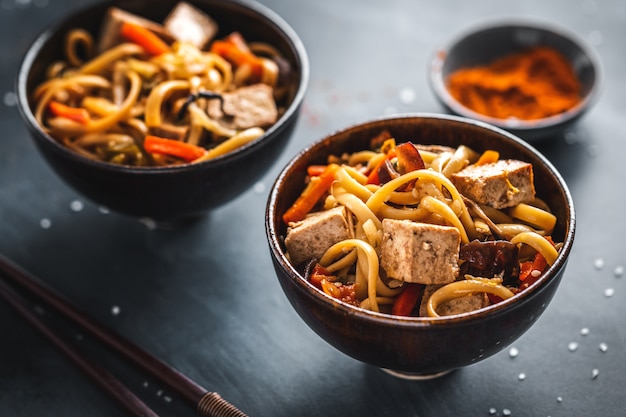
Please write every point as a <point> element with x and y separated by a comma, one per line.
<point>310,238</point>
<point>419,252</point>
<point>500,184</point>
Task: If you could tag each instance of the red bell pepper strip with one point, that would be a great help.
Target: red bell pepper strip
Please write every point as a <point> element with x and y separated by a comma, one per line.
<point>183,150</point>
<point>406,301</point>
<point>316,188</point>
<point>77,114</point>
<point>149,40</point>
<point>409,158</point>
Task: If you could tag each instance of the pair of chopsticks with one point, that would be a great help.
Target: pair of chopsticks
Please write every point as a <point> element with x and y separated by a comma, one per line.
<point>207,403</point>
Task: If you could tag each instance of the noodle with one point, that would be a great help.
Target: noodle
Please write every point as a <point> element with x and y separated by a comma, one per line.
<point>167,93</point>
<point>426,197</point>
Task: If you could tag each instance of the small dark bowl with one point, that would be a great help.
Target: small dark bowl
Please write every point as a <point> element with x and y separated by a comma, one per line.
<point>418,346</point>
<point>481,45</point>
<point>168,193</point>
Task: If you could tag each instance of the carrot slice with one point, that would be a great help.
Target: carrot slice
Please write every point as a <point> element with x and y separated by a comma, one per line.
<point>144,38</point>
<point>77,114</point>
<point>316,188</point>
<point>489,156</point>
<point>183,150</point>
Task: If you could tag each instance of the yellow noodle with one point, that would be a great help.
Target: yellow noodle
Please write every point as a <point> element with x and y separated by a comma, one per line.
<point>351,185</point>
<point>343,262</point>
<point>232,143</point>
<point>364,249</point>
<point>416,214</point>
<point>200,118</point>
<point>534,216</point>
<point>438,207</point>
<point>157,96</point>
<point>367,303</point>
<point>463,288</point>
<point>75,39</point>
<point>105,60</point>
<point>357,175</point>
<point>539,243</point>
<point>363,157</point>
<point>377,199</point>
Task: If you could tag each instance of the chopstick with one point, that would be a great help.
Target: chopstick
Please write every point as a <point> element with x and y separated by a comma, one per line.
<point>207,403</point>
<point>101,376</point>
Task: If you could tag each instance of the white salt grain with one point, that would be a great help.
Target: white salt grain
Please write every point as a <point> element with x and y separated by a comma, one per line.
<point>595,373</point>
<point>513,352</point>
<point>609,292</point>
<point>492,411</point>
<point>572,346</point>
<point>603,347</point>
<point>598,263</point>
<point>407,95</point>
<point>584,331</point>
<point>115,310</point>
<point>521,376</point>
<point>618,272</point>
<point>506,412</point>
<point>45,223</point>
<point>76,205</point>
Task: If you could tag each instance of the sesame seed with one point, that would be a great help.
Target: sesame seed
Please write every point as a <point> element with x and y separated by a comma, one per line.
<point>595,373</point>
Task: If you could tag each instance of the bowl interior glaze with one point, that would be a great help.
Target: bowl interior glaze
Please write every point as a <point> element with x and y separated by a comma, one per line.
<point>418,345</point>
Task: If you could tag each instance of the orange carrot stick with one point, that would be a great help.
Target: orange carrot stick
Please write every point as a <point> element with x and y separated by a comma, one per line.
<point>77,114</point>
<point>183,150</point>
<point>144,37</point>
<point>310,196</point>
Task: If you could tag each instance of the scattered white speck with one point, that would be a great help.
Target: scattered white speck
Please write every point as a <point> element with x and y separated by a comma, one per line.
<point>167,399</point>
<point>584,331</point>
<point>535,273</point>
<point>513,352</point>
<point>619,271</point>
<point>609,292</point>
<point>407,95</point>
<point>45,223</point>
<point>259,188</point>
<point>148,222</point>
<point>595,373</point>
<point>572,346</point>
<point>506,412</point>
<point>77,205</point>
<point>521,376</point>
<point>159,393</point>
<point>115,310</point>
<point>104,210</point>
<point>492,411</point>
<point>603,347</point>
<point>559,399</point>
<point>598,263</point>
<point>10,99</point>
<point>145,384</point>
<point>571,138</point>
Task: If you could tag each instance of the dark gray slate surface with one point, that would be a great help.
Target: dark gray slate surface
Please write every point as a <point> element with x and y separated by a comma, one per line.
<point>204,297</point>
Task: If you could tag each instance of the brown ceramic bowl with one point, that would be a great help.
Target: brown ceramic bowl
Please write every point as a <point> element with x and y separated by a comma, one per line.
<point>418,346</point>
<point>481,44</point>
<point>168,193</point>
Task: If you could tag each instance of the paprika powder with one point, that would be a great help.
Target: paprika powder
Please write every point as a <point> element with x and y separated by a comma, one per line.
<point>532,84</point>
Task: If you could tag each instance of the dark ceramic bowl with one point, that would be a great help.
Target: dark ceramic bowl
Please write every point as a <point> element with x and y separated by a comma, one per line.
<point>482,44</point>
<point>168,193</point>
<point>418,346</point>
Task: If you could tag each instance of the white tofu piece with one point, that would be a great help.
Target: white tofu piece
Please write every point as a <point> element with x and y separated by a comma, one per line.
<point>249,106</point>
<point>189,24</point>
<point>310,238</point>
<point>113,20</point>
<point>459,305</point>
<point>419,252</point>
<point>500,184</point>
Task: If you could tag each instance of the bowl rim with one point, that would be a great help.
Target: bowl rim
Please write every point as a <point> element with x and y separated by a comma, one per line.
<point>304,285</point>
<point>439,56</point>
<point>263,12</point>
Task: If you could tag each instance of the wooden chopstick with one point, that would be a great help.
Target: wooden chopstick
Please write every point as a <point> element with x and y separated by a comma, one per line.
<point>207,403</point>
<point>100,376</point>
